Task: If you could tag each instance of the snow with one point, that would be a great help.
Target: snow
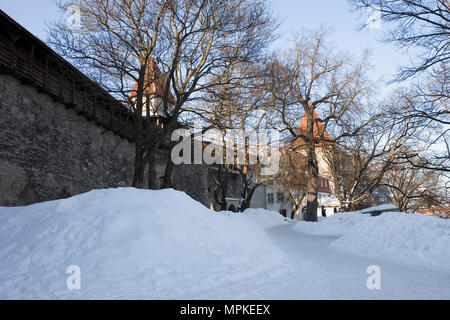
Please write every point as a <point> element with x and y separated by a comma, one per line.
<point>132,244</point>
<point>335,225</point>
<point>383,207</point>
<point>411,239</point>
<point>141,244</point>
<point>330,201</point>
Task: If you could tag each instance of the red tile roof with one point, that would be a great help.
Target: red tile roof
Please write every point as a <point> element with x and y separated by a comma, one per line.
<point>319,132</point>
<point>156,82</point>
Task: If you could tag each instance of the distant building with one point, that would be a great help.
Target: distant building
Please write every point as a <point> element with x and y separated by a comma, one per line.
<point>328,204</point>
<point>381,195</point>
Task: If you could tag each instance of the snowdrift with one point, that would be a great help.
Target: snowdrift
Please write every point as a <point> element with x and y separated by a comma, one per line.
<point>410,239</point>
<point>130,244</point>
<point>141,244</point>
<point>383,207</point>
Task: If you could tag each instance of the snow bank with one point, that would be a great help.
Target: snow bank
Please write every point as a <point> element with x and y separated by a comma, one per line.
<point>141,244</point>
<point>335,225</point>
<point>383,207</point>
<point>264,218</point>
<point>134,244</point>
<point>411,239</point>
<point>408,239</point>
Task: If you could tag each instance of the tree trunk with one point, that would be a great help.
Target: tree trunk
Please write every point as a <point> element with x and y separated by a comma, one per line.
<point>153,181</point>
<point>167,180</point>
<point>248,199</point>
<point>139,169</point>
<point>139,164</point>
<point>223,203</point>
<point>311,204</point>
<point>138,180</point>
<point>220,192</point>
<point>313,171</point>
<point>294,210</point>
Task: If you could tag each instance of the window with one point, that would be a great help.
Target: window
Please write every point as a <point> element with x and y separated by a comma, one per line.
<point>280,197</point>
<point>270,198</point>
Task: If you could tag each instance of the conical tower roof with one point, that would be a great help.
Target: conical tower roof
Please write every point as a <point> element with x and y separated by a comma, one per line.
<point>319,132</point>
<point>155,82</point>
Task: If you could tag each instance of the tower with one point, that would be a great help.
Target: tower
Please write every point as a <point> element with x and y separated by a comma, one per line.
<point>326,185</point>
<point>154,92</point>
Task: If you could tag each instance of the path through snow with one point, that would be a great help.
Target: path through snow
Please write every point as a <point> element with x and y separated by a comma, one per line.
<point>140,244</point>
<point>323,272</point>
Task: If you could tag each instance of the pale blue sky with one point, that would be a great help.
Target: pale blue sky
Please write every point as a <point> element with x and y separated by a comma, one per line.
<point>294,15</point>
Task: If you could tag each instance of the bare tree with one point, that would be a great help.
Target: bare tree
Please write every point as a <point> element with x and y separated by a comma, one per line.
<point>292,177</point>
<point>316,79</point>
<point>425,27</point>
<point>428,112</point>
<point>238,110</point>
<point>360,163</point>
<point>115,48</point>
<point>423,24</point>
<point>190,41</point>
<point>412,188</point>
<point>221,178</point>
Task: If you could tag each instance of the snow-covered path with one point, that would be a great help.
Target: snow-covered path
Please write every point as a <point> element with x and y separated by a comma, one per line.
<point>323,272</point>
<point>140,244</point>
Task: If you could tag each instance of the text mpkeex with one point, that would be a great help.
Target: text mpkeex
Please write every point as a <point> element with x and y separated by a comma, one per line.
<point>234,309</point>
<point>250,309</point>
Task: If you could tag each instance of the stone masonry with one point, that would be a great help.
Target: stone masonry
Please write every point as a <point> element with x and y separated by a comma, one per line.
<point>48,152</point>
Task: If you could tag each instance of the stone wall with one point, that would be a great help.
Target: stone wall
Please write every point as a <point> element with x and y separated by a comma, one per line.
<point>47,151</point>
<point>259,197</point>
<point>192,179</point>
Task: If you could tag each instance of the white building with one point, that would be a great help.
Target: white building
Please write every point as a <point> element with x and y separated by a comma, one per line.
<point>278,200</point>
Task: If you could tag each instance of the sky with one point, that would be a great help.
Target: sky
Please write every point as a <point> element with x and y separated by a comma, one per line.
<point>294,15</point>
